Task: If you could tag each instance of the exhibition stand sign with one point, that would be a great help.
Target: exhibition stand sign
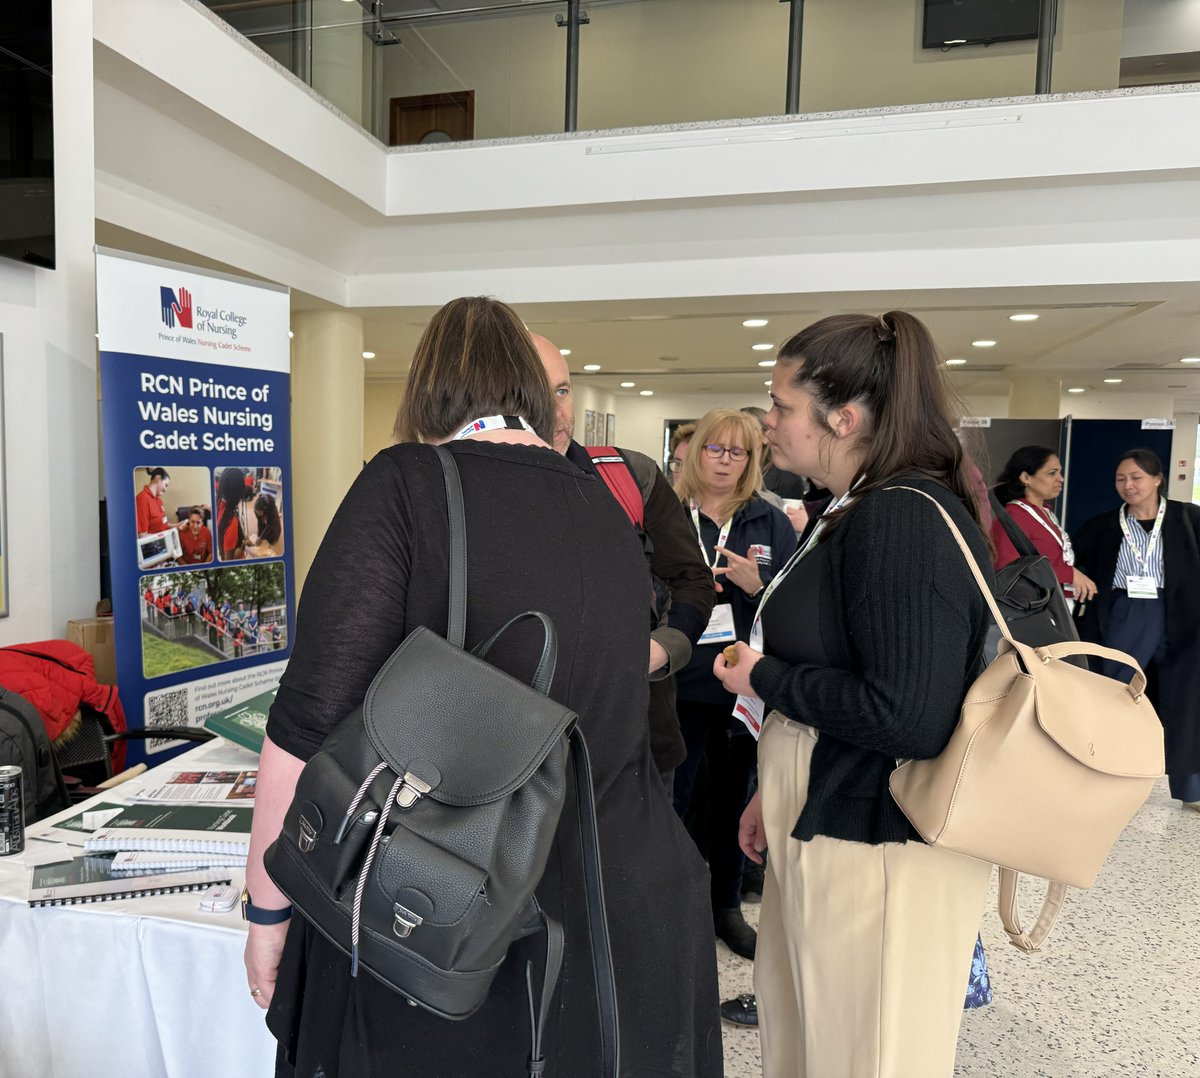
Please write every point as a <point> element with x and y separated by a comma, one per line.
<point>194,380</point>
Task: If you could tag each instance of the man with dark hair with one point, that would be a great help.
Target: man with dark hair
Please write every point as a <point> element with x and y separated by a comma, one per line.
<point>683,582</point>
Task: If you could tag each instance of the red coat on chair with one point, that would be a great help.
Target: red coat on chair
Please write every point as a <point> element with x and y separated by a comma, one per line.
<point>58,677</point>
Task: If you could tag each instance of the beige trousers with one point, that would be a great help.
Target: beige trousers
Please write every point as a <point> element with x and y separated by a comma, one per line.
<point>864,952</point>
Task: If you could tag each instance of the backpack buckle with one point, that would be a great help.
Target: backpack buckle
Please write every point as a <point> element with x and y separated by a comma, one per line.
<point>411,791</point>
<point>405,921</point>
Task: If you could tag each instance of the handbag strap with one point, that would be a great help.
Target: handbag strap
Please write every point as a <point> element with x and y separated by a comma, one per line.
<point>1021,542</point>
<point>1010,915</point>
<point>456,622</point>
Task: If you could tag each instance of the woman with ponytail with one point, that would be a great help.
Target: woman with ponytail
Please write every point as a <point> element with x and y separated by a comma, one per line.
<point>863,650</point>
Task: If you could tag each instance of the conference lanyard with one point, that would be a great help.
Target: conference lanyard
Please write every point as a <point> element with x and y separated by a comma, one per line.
<point>1123,516</point>
<point>722,537</point>
<point>493,422</point>
<point>750,709</point>
<point>1059,534</point>
<point>756,635</point>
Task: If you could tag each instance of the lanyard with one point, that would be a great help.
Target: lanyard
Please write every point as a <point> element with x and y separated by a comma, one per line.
<point>722,537</point>
<point>1123,516</point>
<point>493,422</point>
<point>756,634</point>
<point>1060,537</point>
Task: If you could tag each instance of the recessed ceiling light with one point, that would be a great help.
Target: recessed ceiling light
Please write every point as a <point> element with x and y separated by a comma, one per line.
<point>766,363</point>
<point>1113,381</point>
<point>762,347</point>
<point>1022,317</point>
<point>1076,389</point>
<point>646,393</point>
<point>368,355</point>
<point>1189,359</point>
<point>754,323</point>
<point>564,351</point>
<point>290,334</point>
<point>983,344</point>
<point>628,385</point>
<point>955,362</point>
<point>767,382</point>
<point>591,366</point>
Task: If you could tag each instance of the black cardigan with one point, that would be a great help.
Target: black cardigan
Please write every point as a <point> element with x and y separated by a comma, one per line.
<point>903,623</point>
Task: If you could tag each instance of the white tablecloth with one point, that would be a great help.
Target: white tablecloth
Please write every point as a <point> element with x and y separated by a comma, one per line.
<point>141,988</point>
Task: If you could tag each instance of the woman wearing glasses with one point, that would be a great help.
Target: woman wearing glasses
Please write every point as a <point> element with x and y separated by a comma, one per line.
<point>744,541</point>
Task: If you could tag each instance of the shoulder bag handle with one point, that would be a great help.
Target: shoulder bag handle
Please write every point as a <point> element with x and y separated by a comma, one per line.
<point>1056,895</point>
<point>1020,541</point>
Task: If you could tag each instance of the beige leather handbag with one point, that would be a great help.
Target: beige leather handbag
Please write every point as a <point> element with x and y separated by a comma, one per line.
<point>1047,765</point>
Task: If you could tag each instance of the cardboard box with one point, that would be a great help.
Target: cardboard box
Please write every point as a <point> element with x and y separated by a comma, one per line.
<point>95,636</point>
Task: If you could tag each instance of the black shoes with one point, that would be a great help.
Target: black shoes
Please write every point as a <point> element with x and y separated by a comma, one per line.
<point>741,1010</point>
<point>731,927</point>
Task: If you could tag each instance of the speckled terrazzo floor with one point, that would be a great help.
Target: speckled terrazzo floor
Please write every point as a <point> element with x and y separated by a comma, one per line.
<point>1113,993</point>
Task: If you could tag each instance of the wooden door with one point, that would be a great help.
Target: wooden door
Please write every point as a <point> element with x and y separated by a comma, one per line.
<point>426,118</point>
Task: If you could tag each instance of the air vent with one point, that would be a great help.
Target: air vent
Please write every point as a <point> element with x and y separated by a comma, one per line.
<point>668,359</point>
<point>979,368</point>
<point>1140,366</point>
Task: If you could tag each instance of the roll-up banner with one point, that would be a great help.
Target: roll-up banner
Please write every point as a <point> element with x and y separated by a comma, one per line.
<point>194,381</point>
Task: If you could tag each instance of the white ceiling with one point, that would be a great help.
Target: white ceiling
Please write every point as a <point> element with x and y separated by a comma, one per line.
<point>1082,335</point>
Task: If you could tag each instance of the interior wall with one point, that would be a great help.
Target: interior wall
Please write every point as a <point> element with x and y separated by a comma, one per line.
<point>380,402</point>
<point>48,321</point>
<point>1161,27</point>
<point>675,61</point>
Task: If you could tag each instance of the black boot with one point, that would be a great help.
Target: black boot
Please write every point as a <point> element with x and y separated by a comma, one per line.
<point>732,928</point>
<point>752,881</point>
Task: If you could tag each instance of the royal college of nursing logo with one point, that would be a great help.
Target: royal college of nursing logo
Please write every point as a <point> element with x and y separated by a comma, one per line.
<point>172,309</point>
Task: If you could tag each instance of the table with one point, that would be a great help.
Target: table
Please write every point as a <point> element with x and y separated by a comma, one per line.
<point>140,988</point>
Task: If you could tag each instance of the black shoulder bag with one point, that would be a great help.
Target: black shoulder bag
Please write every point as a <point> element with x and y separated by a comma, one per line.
<point>418,833</point>
<point>1029,594</point>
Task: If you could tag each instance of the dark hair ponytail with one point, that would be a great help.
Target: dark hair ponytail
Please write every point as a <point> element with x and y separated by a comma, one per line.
<point>890,366</point>
<point>1028,460</point>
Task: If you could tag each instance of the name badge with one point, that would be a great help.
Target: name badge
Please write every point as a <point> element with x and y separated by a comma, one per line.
<point>761,554</point>
<point>1141,587</point>
<point>720,626</point>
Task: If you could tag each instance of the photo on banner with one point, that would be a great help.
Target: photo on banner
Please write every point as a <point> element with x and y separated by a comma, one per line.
<point>195,397</point>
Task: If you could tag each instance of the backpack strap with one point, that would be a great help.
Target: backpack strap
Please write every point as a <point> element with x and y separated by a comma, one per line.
<point>593,894</point>
<point>619,477</point>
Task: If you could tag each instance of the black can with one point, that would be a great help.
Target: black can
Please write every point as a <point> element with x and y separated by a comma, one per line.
<point>12,811</point>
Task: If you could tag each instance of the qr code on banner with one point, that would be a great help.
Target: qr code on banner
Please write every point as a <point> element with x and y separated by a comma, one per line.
<point>166,708</point>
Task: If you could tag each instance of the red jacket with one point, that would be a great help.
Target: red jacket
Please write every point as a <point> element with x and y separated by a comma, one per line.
<point>58,677</point>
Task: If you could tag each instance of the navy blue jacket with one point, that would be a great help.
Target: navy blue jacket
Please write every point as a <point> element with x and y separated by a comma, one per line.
<point>755,524</point>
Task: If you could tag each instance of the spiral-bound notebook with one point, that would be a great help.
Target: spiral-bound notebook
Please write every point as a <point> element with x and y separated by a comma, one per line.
<point>176,829</point>
<point>91,879</point>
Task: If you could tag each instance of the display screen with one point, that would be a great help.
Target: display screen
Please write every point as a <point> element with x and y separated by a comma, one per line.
<point>979,22</point>
<point>26,133</point>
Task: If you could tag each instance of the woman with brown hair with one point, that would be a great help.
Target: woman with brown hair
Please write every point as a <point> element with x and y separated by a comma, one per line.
<point>744,541</point>
<point>541,535</point>
<point>862,653</point>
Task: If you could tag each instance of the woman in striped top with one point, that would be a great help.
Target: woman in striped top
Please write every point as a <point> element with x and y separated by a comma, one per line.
<point>1145,559</point>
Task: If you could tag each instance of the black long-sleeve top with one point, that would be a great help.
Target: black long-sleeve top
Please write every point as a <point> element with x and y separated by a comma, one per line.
<point>902,622</point>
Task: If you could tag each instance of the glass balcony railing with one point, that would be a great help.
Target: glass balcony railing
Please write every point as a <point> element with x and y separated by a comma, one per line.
<point>428,71</point>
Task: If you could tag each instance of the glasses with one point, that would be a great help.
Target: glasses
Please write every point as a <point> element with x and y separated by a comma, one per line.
<point>716,452</point>
<point>674,465</point>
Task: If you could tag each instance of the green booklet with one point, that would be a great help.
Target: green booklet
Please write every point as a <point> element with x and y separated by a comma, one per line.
<point>244,724</point>
<point>91,878</point>
<point>176,828</point>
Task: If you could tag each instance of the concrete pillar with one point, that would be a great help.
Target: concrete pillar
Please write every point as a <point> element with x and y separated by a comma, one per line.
<point>1034,398</point>
<point>327,423</point>
<point>340,58</point>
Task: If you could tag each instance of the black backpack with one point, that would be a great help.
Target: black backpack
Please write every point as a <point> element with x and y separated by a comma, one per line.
<point>25,743</point>
<point>419,831</point>
<point>1029,595</point>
